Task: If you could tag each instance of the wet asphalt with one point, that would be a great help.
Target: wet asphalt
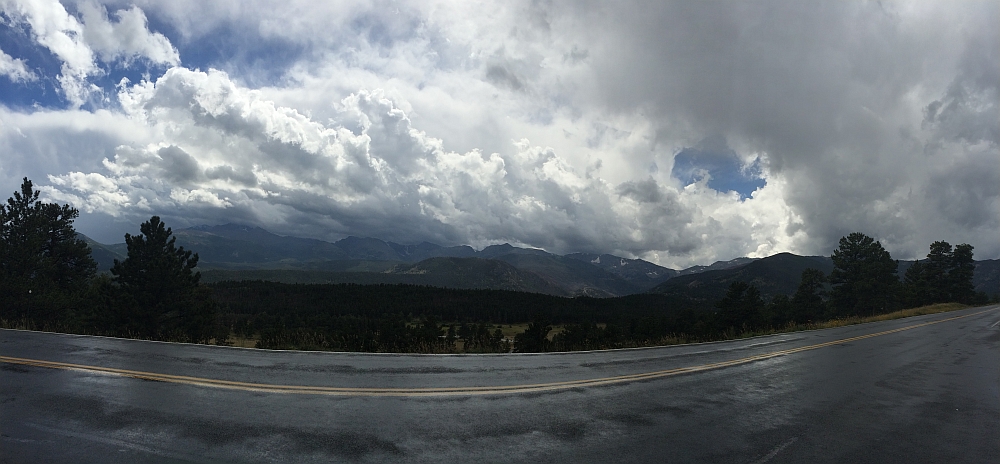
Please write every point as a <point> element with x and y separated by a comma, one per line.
<point>930,394</point>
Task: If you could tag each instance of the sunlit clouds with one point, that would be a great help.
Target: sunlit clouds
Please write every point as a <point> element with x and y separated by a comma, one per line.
<point>677,132</point>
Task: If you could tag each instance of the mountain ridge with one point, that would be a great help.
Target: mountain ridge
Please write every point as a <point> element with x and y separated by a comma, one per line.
<point>775,274</point>
<point>248,251</point>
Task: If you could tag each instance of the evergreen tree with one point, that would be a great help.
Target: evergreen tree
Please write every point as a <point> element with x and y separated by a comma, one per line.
<point>497,342</point>
<point>963,267</point>
<point>946,276</point>
<point>450,337</point>
<point>807,303</point>
<point>741,307</point>
<point>939,263</point>
<point>44,266</point>
<point>161,288</point>
<point>863,277</point>
<point>429,332</point>
<point>534,339</point>
<point>779,312</point>
<point>582,336</point>
<point>915,286</point>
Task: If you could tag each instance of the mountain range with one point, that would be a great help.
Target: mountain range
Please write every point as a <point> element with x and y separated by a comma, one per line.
<point>776,274</point>
<point>238,252</point>
<point>235,251</point>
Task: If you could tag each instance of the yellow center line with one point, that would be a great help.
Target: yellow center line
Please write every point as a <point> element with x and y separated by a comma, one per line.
<point>450,391</point>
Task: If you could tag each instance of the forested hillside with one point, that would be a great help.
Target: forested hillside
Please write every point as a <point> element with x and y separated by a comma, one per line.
<point>463,273</point>
<point>48,281</point>
<point>775,275</point>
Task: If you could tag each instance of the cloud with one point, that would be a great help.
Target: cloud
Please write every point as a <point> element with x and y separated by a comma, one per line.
<point>515,121</point>
<point>971,208</point>
<point>54,28</point>
<point>222,150</point>
<point>15,69</point>
<point>74,42</point>
<point>970,107</point>
<point>91,192</point>
<point>850,104</point>
<point>126,39</point>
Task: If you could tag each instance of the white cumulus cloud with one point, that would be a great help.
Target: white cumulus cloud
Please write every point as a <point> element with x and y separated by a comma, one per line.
<point>54,28</point>
<point>222,150</point>
<point>15,69</point>
<point>127,38</point>
<point>74,42</point>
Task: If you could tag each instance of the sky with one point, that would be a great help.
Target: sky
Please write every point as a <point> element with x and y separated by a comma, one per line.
<point>674,131</point>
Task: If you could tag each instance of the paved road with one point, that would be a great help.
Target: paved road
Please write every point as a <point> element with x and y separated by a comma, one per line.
<point>926,394</point>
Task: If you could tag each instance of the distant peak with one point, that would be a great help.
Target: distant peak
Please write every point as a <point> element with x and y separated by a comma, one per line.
<point>239,227</point>
<point>493,248</point>
<point>355,239</point>
<point>229,226</point>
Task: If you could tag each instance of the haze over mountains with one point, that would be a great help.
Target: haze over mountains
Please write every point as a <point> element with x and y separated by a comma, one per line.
<point>237,252</point>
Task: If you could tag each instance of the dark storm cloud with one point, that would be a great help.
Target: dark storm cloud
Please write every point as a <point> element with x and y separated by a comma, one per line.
<point>500,75</point>
<point>824,89</point>
<point>243,177</point>
<point>970,109</point>
<point>642,191</point>
<point>178,166</point>
<point>968,193</point>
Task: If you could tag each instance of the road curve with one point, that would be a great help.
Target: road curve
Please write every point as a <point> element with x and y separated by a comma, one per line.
<point>916,389</point>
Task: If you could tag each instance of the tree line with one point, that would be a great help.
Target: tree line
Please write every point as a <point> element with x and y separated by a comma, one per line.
<point>863,282</point>
<point>48,281</point>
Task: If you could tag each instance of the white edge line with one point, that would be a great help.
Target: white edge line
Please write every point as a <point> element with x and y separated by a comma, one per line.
<point>775,451</point>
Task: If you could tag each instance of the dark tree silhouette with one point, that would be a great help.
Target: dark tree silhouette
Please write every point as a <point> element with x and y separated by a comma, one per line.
<point>582,336</point>
<point>778,312</point>
<point>807,303</point>
<point>945,276</point>
<point>936,270</point>
<point>157,278</point>
<point>535,338</point>
<point>741,307</point>
<point>863,277</point>
<point>915,287</point>
<point>961,273</point>
<point>43,264</point>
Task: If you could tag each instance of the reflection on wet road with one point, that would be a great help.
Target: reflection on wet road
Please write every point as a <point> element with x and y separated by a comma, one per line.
<point>917,389</point>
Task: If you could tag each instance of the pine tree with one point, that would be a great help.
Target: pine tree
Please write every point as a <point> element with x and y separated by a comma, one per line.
<point>947,274</point>
<point>963,267</point>
<point>44,266</point>
<point>939,263</point>
<point>807,303</point>
<point>741,307</point>
<point>778,312</point>
<point>915,286</point>
<point>863,277</point>
<point>162,289</point>
<point>534,339</point>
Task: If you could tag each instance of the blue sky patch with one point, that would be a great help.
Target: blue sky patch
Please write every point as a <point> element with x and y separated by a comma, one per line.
<point>17,42</point>
<point>712,157</point>
<point>240,51</point>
